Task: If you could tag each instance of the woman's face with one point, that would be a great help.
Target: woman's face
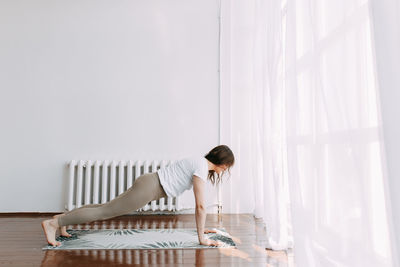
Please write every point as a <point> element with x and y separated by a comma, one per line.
<point>220,168</point>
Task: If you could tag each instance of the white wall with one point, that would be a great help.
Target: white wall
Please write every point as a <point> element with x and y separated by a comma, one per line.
<point>96,79</point>
<point>387,44</point>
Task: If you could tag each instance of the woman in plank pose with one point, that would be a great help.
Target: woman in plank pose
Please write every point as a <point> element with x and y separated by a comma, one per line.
<point>169,181</point>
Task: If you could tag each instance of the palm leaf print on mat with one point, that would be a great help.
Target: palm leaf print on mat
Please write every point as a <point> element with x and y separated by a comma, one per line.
<point>138,239</point>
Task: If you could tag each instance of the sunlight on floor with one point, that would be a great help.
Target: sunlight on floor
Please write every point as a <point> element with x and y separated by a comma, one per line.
<point>234,252</point>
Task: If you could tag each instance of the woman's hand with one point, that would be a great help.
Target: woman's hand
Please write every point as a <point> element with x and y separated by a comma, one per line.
<point>210,242</point>
<point>207,231</point>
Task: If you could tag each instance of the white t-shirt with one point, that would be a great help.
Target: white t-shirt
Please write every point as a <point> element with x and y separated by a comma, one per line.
<point>178,176</point>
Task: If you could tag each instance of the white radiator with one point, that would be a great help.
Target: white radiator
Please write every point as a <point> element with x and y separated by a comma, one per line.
<point>95,182</point>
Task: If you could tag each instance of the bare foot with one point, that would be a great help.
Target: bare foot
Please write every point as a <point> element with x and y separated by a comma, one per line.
<point>63,229</point>
<point>50,227</point>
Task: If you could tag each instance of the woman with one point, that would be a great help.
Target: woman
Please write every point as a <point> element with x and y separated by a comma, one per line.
<point>169,181</point>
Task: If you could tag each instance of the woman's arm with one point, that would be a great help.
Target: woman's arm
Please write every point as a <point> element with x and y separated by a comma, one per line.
<point>200,212</point>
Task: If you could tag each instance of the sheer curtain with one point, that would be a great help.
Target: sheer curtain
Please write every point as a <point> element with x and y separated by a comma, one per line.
<point>386,22</point>
<point>334,147</point>
<point>303,98</point>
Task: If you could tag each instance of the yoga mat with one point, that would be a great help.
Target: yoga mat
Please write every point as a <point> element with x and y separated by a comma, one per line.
<point>138,239</point>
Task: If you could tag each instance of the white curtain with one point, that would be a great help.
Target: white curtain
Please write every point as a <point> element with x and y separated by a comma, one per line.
<point>386,22</point>
<point>252,113</point>
<point>306,126</point>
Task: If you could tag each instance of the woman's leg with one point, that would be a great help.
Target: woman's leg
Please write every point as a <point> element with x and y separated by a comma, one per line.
<point>85,206</point>
<point>146,188</point>
<point>63,229</point>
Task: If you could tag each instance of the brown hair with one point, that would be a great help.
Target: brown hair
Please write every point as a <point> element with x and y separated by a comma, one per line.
<point>220,155</point>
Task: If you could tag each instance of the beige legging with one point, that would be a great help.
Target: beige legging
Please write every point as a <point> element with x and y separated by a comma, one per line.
<point>146,188</point>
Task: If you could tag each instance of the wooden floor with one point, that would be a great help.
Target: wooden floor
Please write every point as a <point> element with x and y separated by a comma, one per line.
<point>22,240</point>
